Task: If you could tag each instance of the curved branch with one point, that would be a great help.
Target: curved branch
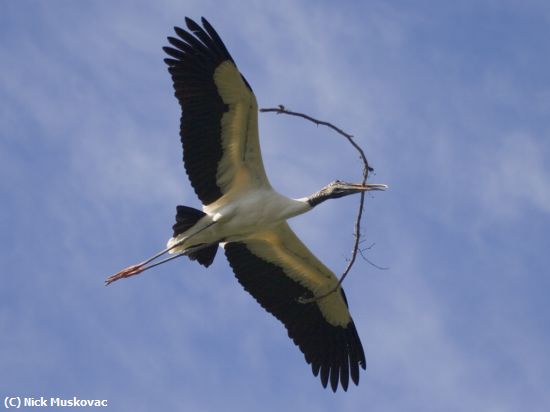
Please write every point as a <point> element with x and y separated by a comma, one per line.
<point>366,169</point>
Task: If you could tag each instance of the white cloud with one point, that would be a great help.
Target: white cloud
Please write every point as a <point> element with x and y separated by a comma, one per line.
<point>517,176</point>
<point>92,155</point>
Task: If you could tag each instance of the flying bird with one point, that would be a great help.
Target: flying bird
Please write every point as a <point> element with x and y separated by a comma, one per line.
<point>243,213</point>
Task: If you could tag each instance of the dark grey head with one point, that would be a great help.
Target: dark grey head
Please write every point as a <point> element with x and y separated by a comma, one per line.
<point>338,189</point>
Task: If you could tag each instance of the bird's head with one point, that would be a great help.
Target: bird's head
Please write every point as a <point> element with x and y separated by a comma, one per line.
<point>338,189</point>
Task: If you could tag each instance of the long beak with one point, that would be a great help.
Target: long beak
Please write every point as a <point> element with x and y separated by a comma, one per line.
<point>357,187</point>
<point>375,186</point>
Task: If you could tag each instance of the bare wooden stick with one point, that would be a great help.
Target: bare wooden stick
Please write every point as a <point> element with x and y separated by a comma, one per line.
<point>366,169</point>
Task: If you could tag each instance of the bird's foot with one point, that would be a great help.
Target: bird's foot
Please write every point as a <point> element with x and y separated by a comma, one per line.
<point>125,273</point>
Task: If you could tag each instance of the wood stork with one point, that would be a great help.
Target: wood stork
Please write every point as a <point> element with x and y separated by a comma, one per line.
<point>245,215</point>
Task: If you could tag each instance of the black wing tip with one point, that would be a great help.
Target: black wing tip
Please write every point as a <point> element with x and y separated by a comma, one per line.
<point>349,358</point>
<point>170,62</point>
<point>344,381</point>
<point>172,40</point>
<point>200,41</point>
<point>339,366</point>
<point>190,22</point>
<point>179,31</point>
<point>324,375</point>
<point>334,375</point>
<point>193,25</point>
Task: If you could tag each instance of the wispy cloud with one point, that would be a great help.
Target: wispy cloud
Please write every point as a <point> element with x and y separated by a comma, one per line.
<point>453,117</point>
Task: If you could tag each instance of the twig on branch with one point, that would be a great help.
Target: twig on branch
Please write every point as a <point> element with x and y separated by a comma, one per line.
<point>366,169</point>
<point>370,262</point>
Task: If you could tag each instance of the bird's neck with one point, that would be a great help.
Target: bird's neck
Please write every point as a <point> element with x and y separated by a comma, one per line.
<point>316,198</point>
<point>297,207</point>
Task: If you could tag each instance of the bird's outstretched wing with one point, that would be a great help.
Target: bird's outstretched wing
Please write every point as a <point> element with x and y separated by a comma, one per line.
<point>277,269</point>
<point>219,122</point>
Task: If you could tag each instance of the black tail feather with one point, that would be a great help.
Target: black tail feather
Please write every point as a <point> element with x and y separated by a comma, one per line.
<point>206,255</point>
<point>186,217</point>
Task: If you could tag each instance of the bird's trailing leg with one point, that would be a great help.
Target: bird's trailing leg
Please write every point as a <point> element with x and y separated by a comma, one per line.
<point>143,266</point>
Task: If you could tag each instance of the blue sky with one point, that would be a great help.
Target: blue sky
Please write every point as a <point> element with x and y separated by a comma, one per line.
<point>450,101</point>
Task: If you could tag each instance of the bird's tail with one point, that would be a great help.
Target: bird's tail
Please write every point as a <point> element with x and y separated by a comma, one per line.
<point>186,217</point>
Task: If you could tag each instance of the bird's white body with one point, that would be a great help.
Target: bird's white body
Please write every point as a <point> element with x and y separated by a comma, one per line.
<point>239,218</point>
